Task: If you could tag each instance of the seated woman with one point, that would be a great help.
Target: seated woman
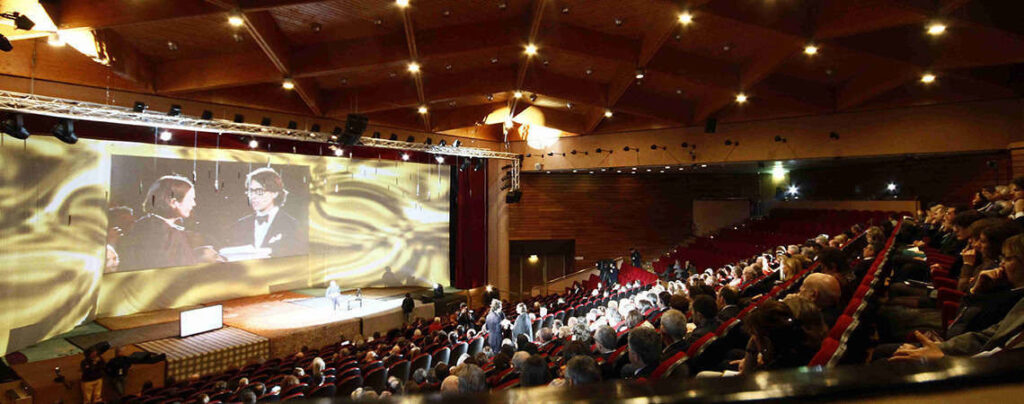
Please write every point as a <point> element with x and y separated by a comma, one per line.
<point>778,339</point>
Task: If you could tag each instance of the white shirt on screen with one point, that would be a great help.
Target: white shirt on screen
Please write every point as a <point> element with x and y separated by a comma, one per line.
<point>262,228</point>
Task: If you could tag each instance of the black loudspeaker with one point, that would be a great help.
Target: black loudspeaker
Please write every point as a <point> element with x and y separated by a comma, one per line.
<point>355,125</point>
<point>147,357</point>
<point>711,125</point>
<point>513,196</point>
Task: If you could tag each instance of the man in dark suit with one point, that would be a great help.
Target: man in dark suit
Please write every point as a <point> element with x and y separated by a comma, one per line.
<point>728,303</point>
<point>493,325</point>
<point>268,226</point>
<point>704,313</point>
<point>644,353</point>
<point>673,330</point>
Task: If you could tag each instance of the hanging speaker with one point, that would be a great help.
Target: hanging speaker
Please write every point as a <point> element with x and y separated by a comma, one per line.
<point>355,125</point>
<point>711,125</point>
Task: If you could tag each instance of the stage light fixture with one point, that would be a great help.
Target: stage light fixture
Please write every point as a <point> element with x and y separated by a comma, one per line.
<point>405,156</point>
<point>685,18</point>
<point>457,143</point>
<point>65,131</point>
<point>442,143</point>
<point>207,114</point>
<point>533,97</point>
<point>517,94</point>
<point>5,44</point>
<point>253,143</point>
<point>376,135</point>
<point>465,165</point>
<point>315,128</point>
<point>239,118</point>
<point>166,135</point>
<point>479,165</point>
<point>293,125</point>
<point>175,110</point>
<point>235,18</point>
<point>14,125</point>
<point>20,20</point>
<point>393,137</point>
<point>139,107</point>
<point>428,141</point>
<point>265,121</point>
<point>639,73</point>
<point>410,139</point>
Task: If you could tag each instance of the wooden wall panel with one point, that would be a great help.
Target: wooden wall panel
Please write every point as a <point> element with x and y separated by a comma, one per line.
<point>608,214</point>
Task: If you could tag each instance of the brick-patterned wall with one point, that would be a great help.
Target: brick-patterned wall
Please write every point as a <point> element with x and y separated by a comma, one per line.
<point>946,179</point>
<point>608,214</point>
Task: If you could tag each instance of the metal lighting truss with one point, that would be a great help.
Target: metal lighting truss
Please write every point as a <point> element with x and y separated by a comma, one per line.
<point>87,111</point>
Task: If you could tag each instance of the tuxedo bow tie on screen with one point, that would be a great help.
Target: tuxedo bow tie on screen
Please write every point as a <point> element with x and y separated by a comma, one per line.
<point>260,219</point>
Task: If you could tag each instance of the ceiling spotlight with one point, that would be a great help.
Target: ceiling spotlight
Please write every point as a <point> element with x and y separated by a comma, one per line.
<point>237,37</point>
<point>5,44</point>
<point>20,20</point>
<point>139,107</point>
<point>314,128</point>
<point>207,114</point>
<point>442,143</point>
<point>410,139</point>
<point>927,78</point>
<point>533,97</point>
<point>936,29</point>
<point>405,156</point>
<point>440,159</point>
<point>413,66</point>
<point>531,49</point>
<point>55,40</point>
<point>235,19</point>
<point>175,110</point>
<point>15,126</point>
<point>422,109</point>
<point>639,73</point>
<point>607,113</point>
<point>490,97</point>
<point>457,143</point>
<point>891,187</point>
<point>288,83</point>
<point>265,121</point>
<point>293,125</point>
<point>166,135</point>
<point>402,3</point>
<point>65,131</point>
<point>793,189</point>
<point>741,98</point>
<point>338,152</point>
<point>565,10</point>
<point>618,22</point>
<point>315,27</point>
<point>811,50</point>
<point>703,166</point>
<point>253,143</point>
<point>494,60</point>
<point>517,94</point>
<point>429,141</point>
<point>394,137</point>
<point>239,118</point>
<point>589,71</point>
<point>685,18</point>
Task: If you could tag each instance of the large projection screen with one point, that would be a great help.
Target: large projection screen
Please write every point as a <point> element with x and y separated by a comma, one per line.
<point>67,209</point>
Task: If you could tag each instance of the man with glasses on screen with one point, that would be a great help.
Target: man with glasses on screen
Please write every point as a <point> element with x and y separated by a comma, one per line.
<point>268,229</point>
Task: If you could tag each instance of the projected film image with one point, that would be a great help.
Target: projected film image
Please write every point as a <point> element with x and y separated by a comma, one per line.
<point>176,212</point>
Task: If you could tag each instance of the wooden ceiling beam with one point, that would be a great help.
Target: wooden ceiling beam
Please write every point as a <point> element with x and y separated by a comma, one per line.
<point>462,117</point>
<point>867,85</point>
<point>536,16</point>
<point>417,78</point>
<point>761,67</point>
<point>265,32</point>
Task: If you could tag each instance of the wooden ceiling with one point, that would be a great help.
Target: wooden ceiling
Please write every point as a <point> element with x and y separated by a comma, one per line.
<point>351,56</point>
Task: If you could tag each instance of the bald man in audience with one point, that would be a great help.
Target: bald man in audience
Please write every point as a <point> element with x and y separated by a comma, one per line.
<point>824,291</point>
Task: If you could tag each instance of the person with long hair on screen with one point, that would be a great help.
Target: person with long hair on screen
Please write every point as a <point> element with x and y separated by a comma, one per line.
<point>268,226</point>
<point>159,239</point>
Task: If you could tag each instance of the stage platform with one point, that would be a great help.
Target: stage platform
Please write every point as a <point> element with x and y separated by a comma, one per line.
<point>256,328</point>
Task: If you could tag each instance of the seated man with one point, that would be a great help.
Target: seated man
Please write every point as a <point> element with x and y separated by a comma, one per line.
<point>823,290</point>
<point>673,329</point>
<point>644,353</point>
<point>728,303</point>
<point>605,344</point>
<point>704,313</point>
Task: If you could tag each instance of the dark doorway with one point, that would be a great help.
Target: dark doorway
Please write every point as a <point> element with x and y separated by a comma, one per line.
<point>536,262</point>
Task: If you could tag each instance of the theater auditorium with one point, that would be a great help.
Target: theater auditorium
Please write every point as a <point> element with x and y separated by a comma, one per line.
<point>450,201</point>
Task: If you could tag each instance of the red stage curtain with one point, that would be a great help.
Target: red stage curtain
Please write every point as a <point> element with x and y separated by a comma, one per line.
<point>469,222</point>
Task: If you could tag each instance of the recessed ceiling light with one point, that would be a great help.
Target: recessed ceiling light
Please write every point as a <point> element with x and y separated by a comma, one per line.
<point>402,3</point>
<point>565,10</point>
<point>518,94</point>
<point>811,50</point>
<point>451,103</point>
<point>679,91</point>
<point>414,67</point>
<point>494,60</point>
<point>618,22</point>
<point>741,98</point>
<point>316,27</point>
<point>446,13</point>
<point>288,83</point>
<point>448,66</point>
<point>422,109</point>
<point>927,78</point>
<point>639,74</point>
<point>171,45</point>
<point>607,113</point>
<point>55,40</point>
<point>235,19</point>
<point>344,81</point>
<point>545,62</point>
<point>531,49</point>
<point>936,28</point>
<point>502,6</point>
<point>568,105</point>
<point>589,71</point>
<point>685,18</point>
<point>237,37</point>
<point>378,22</point>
